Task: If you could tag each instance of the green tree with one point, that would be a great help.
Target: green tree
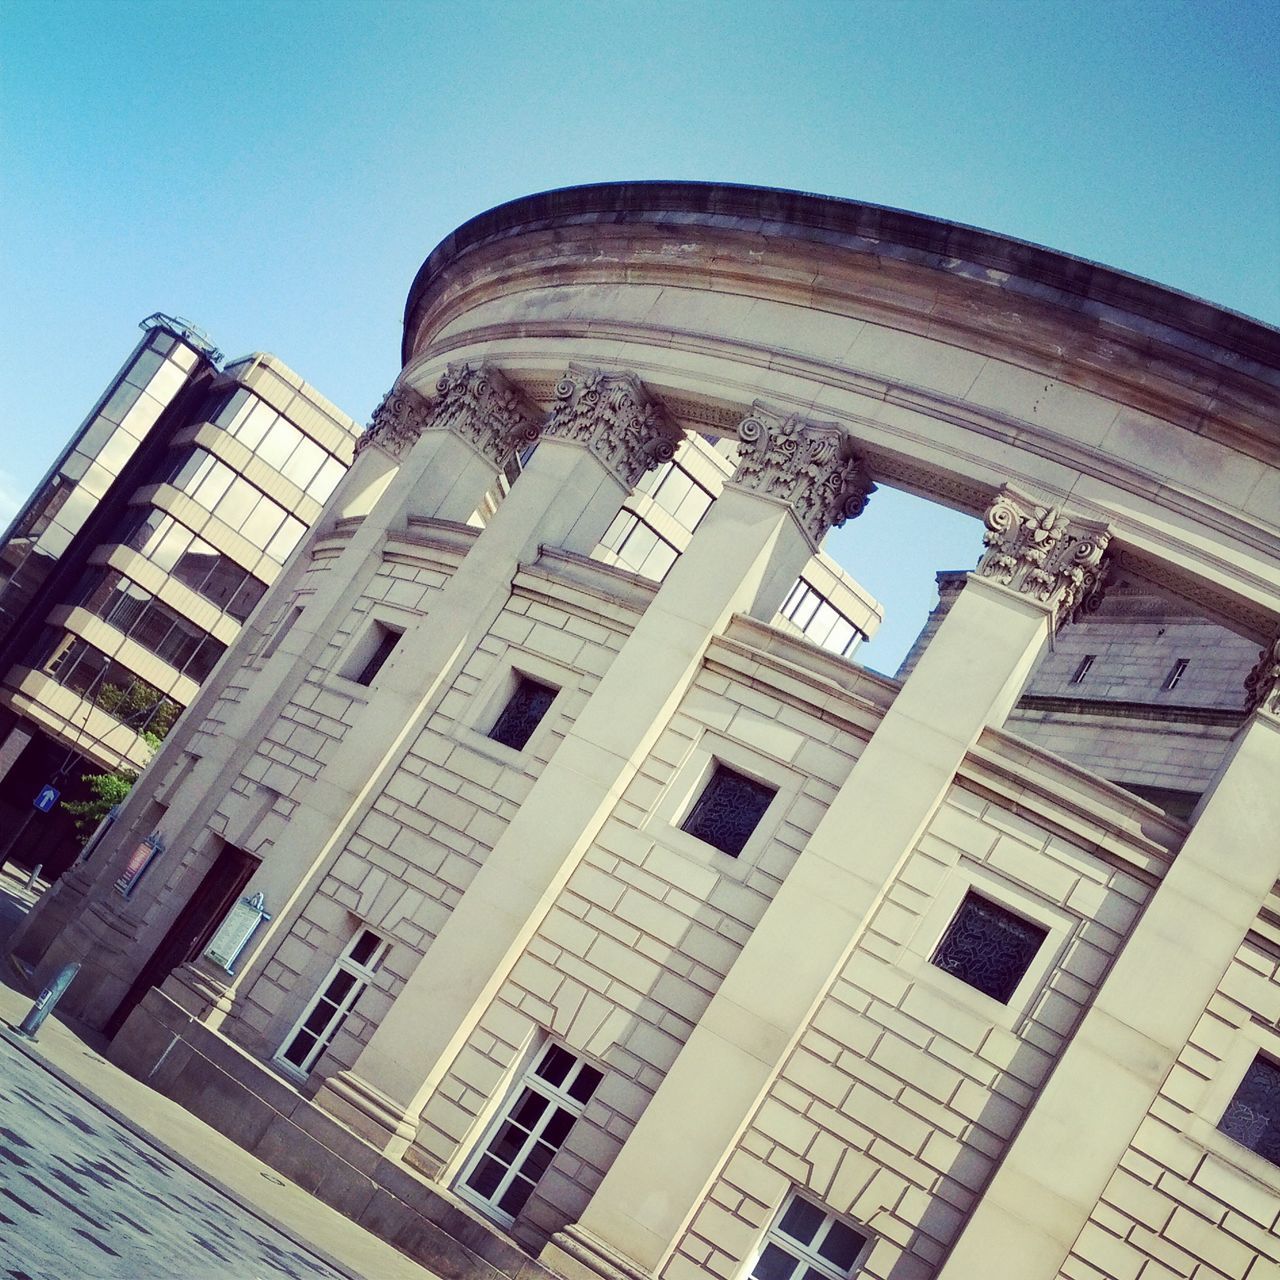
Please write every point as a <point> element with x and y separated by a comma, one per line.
<point>109,790</point>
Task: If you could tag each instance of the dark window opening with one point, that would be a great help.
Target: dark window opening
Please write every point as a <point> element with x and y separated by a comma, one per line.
<point>387,640</point>
<point>523,713</point>
<point>988,947</point>
<point>1174,678</point>
<point>1083,669</point>
<point>1252,1117</point>
<point>728,810</point>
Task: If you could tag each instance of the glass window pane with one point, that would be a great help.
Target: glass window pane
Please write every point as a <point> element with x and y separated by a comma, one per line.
<point>584,1084</point>
<point>515,1196</point>
<point>728,810</point>
<point>530,1109</point>
<point>841,1246</point>
<point>988,947</point>
<point>555,1064</point>
<point>773,1264</point>
<point>485,1177</point>
<point>801,1220</point>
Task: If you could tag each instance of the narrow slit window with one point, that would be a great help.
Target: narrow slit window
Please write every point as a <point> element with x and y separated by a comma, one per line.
<point>1252,1117</point>
<point>1174,678</point>
<point>520,1147</point>
<point>523,713</point>
<point>386,641</point>
<point>988,947</point>
<point>728,810</point>
<point>1083,669</point>
<point>807,1242</point>
<point>321,1021</point>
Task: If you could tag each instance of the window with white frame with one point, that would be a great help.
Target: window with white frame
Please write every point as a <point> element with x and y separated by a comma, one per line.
<point>519,1148</point>
<point>322,1019</point>
<point>809,1243</point>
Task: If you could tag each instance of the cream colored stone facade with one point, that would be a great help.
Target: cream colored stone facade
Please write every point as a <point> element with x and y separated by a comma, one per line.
<point>744,1023</point>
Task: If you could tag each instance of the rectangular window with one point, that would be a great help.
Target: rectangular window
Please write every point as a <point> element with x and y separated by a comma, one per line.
<point>313,1033</point>
<point>1252,1117</point>
<point>387,639</point>
<point>988,947</point>
<point>1174,678</point>
<point>521,1145</point>
<point>728,810</point>
<point>1083,669</point>
<point>809,1243</point>
<point>523,713</point>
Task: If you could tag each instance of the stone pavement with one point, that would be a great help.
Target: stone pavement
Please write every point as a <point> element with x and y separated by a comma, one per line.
<point>101,1178</point>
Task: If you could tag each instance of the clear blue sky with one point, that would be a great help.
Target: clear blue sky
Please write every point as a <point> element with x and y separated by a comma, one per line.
<point>276,171</point>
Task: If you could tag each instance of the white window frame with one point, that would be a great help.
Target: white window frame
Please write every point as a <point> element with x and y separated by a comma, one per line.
<point>556,1095</point>
<point>807,1254</point>
<point>364,975</point>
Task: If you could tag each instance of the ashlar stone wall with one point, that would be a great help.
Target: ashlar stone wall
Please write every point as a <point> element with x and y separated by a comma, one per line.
<point>1187,1200</point>
<point>905,1087</point>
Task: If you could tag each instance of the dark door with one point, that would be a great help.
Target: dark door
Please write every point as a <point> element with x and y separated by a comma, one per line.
<point>190,932</point>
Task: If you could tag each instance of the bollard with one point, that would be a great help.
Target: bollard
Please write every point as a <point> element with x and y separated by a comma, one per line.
<point>34,876</point>
<point>43,1006</point>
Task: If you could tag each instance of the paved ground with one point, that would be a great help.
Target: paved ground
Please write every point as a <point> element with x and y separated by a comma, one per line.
<point>102,1178</point>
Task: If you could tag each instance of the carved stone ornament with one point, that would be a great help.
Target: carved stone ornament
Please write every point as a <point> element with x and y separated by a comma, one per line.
<point>613,416</point>
<point>481,405</point>
<point>1262,684</point>
<point>810,466</point>
<point>397,422</point>
<point>1039,552</point>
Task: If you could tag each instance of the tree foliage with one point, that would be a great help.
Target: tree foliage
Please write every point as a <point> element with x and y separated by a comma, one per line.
<point>109,790</point>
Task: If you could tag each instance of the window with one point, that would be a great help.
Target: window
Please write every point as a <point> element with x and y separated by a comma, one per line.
<point>988,947</point>
<point>808,1243</point>
<point>820,621</point>
<point>387,639</point>
<point>1252,1117</point>
<point>728,810</point>
<point>523,713</point>
<point>1174,678</point>
<point>520,1147</point>
<point>313,1033</point>
<point>1083,669</point>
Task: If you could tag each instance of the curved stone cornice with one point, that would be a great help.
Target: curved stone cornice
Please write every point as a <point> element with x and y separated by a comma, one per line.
<point>1262,684</point>
<point>477,403</point>
<point>810,466</point>
<point>613,416</point>
<point>1039,552</point>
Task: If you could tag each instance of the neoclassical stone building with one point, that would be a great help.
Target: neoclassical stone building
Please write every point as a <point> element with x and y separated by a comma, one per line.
<point>604,922</point>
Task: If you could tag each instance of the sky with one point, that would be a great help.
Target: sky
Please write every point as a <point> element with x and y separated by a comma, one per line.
<point>276,171</point>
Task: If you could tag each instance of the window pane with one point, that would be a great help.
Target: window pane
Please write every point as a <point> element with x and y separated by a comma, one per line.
<point>485,1177</point>
<point>555,1064</point>
<point>773,1264</point>
<point>584,1084</point>
<point>728,810</point>
<point>530,1109</point>
<point>1253,1116</point>
<point>988,947</point>
<point>841,1246</point>
<point>522,715</point>
<point>801,1220</point>
<point>513,1199</point>
<point>365,946</point>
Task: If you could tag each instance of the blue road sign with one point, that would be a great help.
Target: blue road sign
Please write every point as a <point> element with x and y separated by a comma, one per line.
<point>47,798</point>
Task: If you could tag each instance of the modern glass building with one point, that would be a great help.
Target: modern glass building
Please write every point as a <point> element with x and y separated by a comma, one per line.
<point>142,551</point>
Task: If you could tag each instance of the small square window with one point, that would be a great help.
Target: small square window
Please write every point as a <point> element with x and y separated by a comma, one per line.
<point>1083,669</point>
<point>988,947</point>
<point>808,1243</point>
<point>1176,672</point>
<point>1252,1117</point>
<point>387,639</point>
<point>523,713</point>
<point>728,810</point>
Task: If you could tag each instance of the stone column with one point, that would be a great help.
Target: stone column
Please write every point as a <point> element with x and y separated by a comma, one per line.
<point>1059,1164</point>
<point>1038,570</point>
<point>445,453</point>
<point>604,432</point>
<point>795,480</point>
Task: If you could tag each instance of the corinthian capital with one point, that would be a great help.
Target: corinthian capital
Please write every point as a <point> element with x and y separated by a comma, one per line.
<point>1262,684</point>
<point>480,404</point>
<point>397,422</point>
<point>1039,552</point>
<point>808,465</point>
<point>613,416</point>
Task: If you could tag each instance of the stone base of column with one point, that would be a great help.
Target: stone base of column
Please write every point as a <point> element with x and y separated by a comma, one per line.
<point>51,915</point>
<point>578,1255</point>
<point>368,1112</point>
